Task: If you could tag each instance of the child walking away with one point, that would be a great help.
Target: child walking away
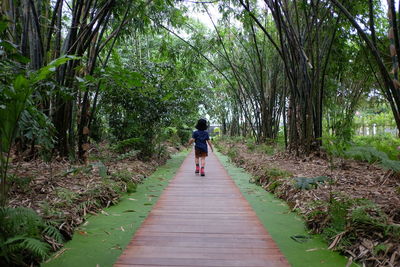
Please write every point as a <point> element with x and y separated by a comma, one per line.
<point>201,138</point>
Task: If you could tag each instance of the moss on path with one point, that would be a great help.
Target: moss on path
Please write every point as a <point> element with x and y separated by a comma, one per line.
<point>101,240</point>
<point>286,228</point>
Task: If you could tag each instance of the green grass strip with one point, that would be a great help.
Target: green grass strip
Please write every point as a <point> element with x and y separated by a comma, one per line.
<point>104,237</point>
<point>286,228</point>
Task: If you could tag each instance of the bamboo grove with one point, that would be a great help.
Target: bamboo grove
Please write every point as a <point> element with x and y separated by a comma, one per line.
<point>307,64</point>
<point>303,65</point>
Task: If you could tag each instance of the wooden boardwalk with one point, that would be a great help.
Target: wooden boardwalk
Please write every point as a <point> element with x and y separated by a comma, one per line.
<point>202,221</point>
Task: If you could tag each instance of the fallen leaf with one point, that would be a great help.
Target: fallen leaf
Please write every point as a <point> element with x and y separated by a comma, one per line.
<point>129,211</point>
<point>82,233</point>
<point>105,213</point>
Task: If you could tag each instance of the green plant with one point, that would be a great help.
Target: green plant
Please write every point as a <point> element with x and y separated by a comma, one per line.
<point>232,153</point>
<point>49,210</point>
<point>102,169</point>
<point>129,154</point>
<point>130,143</point>
<point>334,146</point>
<point>22,236</point>
<point>16,98</point>
<point>184,134</point>
<point>306,183</point>
<point>131,187</point>
<point>125,177</point>
<point>384,143</point>
<point>372,155</point>
<point>122,175</point>
<point>251,144</point>
<point>380,249</point>
<point>20,183</point>
<point>266,148</point>
<point>66,196</point>
<point>272,186</point>
<point>276,173</point>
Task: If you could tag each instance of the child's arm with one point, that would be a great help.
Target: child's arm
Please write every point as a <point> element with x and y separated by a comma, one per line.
<point>191,140</point>
<point>209,143</point>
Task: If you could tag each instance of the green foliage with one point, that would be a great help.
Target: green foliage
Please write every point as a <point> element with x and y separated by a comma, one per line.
<point>125,176</point>
<point>334,146</point>
<point>380,115</point>
<point>21,237</point>
<point>353,219</point>
<point>131,187</point>
<point>149,100</point>
<point>371,155</point>
<point>251,144</point>
<point>16,98</point>
<point>129,154</point>
<point>385,143</point>
<point>306,183</point>
<point>66,196</point>
<point>276,173</point>
<point>122,175</point>
<point>184,133</point>
<point>380,249</point>
<point>232,153</point>
<point>102,169</point>
<point>20,184</point>
<point>130,143</point>
<point>37,129</point>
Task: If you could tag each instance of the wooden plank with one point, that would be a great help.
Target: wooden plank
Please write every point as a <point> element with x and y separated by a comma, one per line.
<point>202,221</point>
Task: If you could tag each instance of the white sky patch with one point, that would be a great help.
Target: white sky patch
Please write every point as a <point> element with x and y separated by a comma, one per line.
<point>198,12</point>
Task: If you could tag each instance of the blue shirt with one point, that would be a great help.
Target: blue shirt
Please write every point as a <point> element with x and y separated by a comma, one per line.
<point>200,138</point>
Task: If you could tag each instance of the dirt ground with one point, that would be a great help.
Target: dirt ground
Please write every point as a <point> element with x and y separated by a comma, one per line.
<point>64,193</point>
<point>349,179</point>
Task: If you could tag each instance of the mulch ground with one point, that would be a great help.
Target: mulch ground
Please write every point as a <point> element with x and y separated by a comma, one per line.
<point>65,193</point>
<point>349,180</point>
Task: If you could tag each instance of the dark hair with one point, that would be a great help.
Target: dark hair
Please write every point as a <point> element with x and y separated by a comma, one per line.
<point>201,125</point>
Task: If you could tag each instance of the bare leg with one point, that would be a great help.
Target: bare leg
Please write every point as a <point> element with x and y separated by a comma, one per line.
<point>203,162</point>
<point>196,160</point>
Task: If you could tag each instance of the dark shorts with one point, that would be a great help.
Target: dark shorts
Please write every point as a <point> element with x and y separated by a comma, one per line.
<point>200,153</point>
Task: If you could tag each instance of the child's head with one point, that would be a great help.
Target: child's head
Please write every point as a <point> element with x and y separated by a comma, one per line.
<point>201,125</point>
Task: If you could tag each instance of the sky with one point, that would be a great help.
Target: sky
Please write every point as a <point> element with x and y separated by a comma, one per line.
<point>213,9</point>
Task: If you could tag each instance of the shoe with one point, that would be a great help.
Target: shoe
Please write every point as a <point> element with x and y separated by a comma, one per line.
<point>202,172</point>
<point>197,169</point>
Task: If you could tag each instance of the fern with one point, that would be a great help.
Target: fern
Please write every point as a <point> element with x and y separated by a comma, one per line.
<point>21,236</point>
<point>130,154</point>
<point>102,169</point>
<point>371,155</point>
<point>53,233</point>
<point>38,248</point>
<point>389,164</point>
<point>309,183</point>
<point>22,244</point>
<point>134,143</point>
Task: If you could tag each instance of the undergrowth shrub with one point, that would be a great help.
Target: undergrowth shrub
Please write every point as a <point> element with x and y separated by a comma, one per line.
<point>126,177</point>
<point>129,144</point>
<point>372,155</point>
<point>184,135</point>
<point>306,183</point>
<point>271,179</point>
<point>384,143</point>
<point>351,220</point>
<point>368,150</point>
<point>22,234</point>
